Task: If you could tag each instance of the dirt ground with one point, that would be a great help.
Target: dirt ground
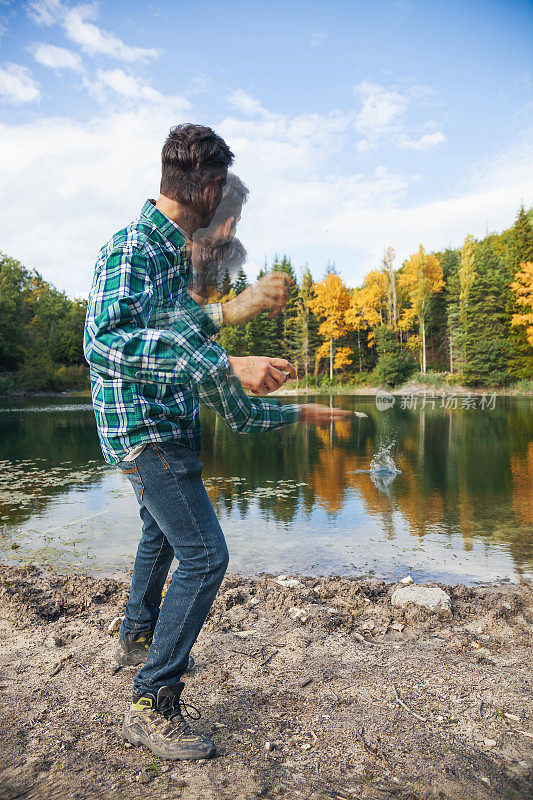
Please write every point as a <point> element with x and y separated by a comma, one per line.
<point>323,690</point>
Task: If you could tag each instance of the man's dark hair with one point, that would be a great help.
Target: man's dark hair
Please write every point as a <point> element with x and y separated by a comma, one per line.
<point>192,156</point>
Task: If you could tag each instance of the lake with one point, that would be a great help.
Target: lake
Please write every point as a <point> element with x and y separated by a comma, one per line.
<point>294,500</point>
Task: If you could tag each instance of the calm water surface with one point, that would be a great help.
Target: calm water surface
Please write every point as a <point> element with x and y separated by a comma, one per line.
<point>293,500</point>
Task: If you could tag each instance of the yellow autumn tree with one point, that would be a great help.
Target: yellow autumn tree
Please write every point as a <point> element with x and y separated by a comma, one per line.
<point>367,304</point>
<point>330,301</point>
<point>421,276</point>
<point>390,275</point>
<point>523,288</point>
<point>355,318</point>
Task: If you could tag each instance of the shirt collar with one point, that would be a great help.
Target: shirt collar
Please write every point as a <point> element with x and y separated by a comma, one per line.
<point>168,228</point>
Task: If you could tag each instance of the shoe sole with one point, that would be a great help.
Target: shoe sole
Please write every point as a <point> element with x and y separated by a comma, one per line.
<point>136,740</point>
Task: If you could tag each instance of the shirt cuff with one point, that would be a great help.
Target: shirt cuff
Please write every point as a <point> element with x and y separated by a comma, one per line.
<point>291,412</point>
<point>214,311</point>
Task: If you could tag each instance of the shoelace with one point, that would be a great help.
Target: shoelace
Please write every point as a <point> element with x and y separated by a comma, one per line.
<point>176,712</point>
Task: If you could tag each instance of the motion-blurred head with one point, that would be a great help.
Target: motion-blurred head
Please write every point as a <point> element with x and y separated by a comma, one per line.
<point>194,166</point>
<point>215,250</point>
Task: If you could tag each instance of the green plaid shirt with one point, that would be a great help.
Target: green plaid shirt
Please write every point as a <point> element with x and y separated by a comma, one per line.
<point>149,348</point>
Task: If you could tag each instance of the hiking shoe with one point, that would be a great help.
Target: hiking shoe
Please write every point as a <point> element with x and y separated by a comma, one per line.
<point>132,652</point>
<point>159,724</point>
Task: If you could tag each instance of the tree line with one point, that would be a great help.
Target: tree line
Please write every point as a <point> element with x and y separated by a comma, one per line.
<point>466,313</point>
<point>41,332</point>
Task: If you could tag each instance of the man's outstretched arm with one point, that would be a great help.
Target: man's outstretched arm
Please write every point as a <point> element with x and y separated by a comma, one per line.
<point>270,292</point>
<point>225,395</point>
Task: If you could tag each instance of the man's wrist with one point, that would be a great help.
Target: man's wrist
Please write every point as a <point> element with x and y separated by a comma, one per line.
<point>224,313</point>
<point>215,312</point>
<point>291,412</point>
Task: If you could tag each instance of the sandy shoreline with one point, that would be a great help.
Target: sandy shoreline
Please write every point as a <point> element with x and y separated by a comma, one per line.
<point>410,388</point>
<point>301,704</point>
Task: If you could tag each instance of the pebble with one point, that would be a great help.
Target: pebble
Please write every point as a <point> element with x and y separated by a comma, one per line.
<point>397,626</point>
<point>407,580</point>
<point>114,625</point>
<point>144,777</point>
<point>489,742</point>
<point>289,583</point>
<point>298,613</point>
<point>429,597</point>
<point>54,640</point>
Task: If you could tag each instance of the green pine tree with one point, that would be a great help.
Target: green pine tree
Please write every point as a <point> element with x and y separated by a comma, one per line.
<point>226,285</point>
<point>241,281</point>
<point>521,249</point>
<point>485,339</point>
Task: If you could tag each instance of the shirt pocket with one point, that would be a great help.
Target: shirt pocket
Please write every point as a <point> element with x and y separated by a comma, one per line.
<point>116,405</point>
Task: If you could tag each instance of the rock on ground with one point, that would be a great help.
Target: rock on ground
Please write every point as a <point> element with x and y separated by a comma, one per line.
<point>430,597</point>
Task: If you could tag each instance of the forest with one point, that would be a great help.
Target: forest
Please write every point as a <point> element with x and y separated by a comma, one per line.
<point>464,316</point>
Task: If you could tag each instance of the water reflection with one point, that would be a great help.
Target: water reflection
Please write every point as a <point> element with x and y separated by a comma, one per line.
<point>461,504</point>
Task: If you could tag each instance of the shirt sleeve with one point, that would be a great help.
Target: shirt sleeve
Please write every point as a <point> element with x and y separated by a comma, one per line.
<point>122,341</point>
<point>214,311</point>
<point>224,394</point>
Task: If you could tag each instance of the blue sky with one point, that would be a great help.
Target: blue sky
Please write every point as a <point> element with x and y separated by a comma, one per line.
<point>356,125</point>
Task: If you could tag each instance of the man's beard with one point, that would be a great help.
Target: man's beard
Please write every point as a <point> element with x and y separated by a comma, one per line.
<point>210,260</point>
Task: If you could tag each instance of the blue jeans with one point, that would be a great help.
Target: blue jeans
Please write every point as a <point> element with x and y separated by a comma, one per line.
<point>178,520</point>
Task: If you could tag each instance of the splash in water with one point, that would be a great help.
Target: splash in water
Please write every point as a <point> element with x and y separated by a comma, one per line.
<point>383,463</point>
<point>382,470</point>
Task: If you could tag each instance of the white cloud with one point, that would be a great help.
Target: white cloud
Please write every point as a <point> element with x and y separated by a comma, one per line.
<point>301,206</point>
<point>134,91</point>
<point>83,181</point>
<point>56,57</point>
<point>78,23</point>
<point>381,109</point>
<point>44,12</point>
<point>88,179</point>
<point>426,142</point>
<point>17,85</point>
<point>248,105</point>
<point>383,117</point>
<point>127,85</point>
<point>289,144</point>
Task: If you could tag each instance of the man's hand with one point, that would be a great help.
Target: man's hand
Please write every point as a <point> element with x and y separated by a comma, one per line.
<point>261,375</point>
<point>270,291</point>
<point>316,414</point>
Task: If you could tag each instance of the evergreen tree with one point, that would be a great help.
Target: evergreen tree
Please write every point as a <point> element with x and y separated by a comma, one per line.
<point>521,251</point>
<point>226,286</point>
<point>485,342</point>
<point>241,281</point>
<point>445,310</point>
<point>262,332</point>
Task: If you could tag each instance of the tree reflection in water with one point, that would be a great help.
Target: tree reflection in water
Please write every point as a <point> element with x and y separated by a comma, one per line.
<point>466,472</point>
